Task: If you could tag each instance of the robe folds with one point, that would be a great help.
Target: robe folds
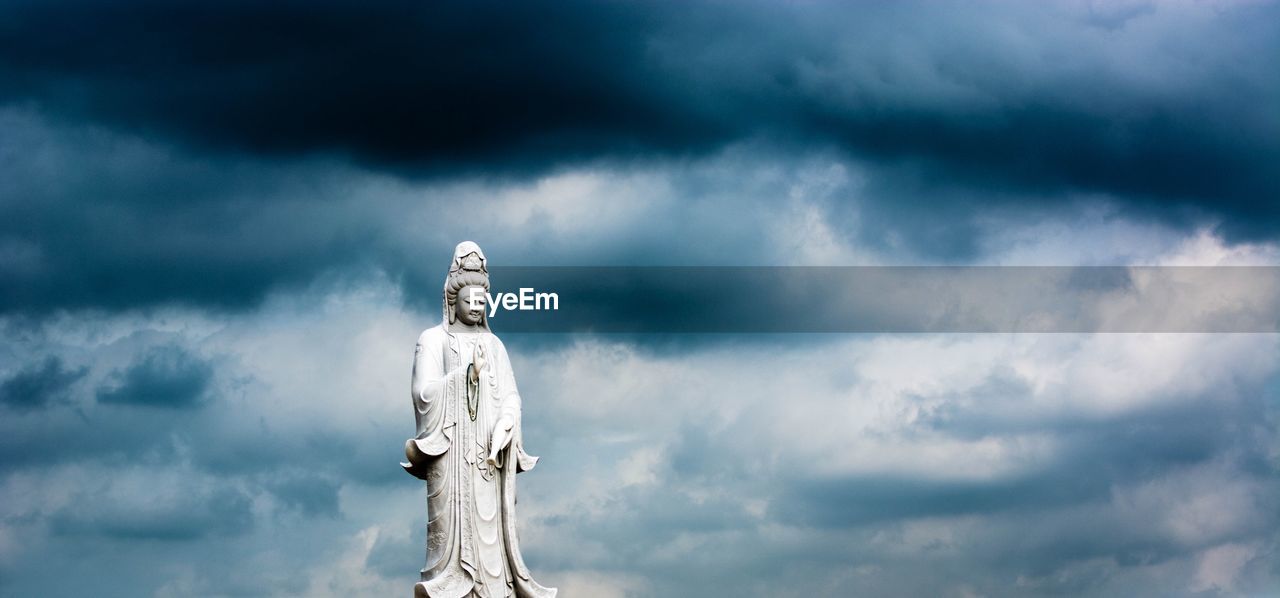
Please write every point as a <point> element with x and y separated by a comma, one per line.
<point>472,549</point>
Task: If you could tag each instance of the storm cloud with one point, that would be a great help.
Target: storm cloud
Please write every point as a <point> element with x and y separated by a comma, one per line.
<point>1080,96</point>
<point>223,224</point>
<point>214,153</point>
<point>39,385</point>
<point>165,377</point>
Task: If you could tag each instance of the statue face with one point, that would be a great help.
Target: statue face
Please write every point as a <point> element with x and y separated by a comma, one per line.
<point>470,312</point>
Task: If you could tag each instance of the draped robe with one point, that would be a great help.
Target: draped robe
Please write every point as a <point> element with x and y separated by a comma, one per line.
<point>472,549</point>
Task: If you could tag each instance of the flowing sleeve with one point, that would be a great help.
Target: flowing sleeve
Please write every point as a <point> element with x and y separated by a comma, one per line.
<point>509,400</point>
<point>510,406</point>
<point>430,384</point>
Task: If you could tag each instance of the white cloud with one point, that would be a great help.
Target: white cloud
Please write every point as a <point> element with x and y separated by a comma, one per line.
<point>1219,566</point>
<point>633,438</point>
<point>602,584</point>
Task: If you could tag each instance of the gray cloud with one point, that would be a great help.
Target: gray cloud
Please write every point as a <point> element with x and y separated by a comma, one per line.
<point>1124,495</point>
<point>204,178</point>
<point>227,222</point>
<point>40,385</point>
<point>167,377</point>
<point>187,518</point>
<point>990,93</point>
<point>399,556</point>
<point>310,494</point>
<point>674,469</point>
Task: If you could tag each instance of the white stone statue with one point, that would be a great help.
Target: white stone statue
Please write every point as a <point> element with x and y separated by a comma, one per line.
<point>468,447</point>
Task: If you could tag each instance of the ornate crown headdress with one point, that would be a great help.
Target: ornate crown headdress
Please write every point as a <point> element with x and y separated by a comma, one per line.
<point>467,257</point>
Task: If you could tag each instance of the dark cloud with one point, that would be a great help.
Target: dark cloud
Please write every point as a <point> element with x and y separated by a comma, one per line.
<point>145,368</point>
<point>311,495</point>
<point>93,219</point>
<point>99,220</point>
<point>170,380</point>
<point>1149,488</point>
<point>408,83</point>
<point>190,516</point>
<point>856,501</point>
<point>167,377</point>
<point>724,507</point>
<point>399,555</point>
<point>40,385</point>
<point>1005,101</point>
<point>365,455</point>
<point>212,154</point>
<point>1096,457</point>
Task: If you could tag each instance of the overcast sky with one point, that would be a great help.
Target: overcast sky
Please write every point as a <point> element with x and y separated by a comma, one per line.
<point>224,224</point>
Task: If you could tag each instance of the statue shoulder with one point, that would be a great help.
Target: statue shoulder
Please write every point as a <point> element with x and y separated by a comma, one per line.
<point>432,336</point>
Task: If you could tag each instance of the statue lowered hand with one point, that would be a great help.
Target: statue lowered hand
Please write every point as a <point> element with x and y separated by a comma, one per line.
<point>501,436</point>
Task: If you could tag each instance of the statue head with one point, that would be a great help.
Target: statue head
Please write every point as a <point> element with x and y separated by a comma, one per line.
<point>468,271</point>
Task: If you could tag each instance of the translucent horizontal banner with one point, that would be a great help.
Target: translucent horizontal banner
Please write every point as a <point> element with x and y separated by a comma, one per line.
<point>885,299</point>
